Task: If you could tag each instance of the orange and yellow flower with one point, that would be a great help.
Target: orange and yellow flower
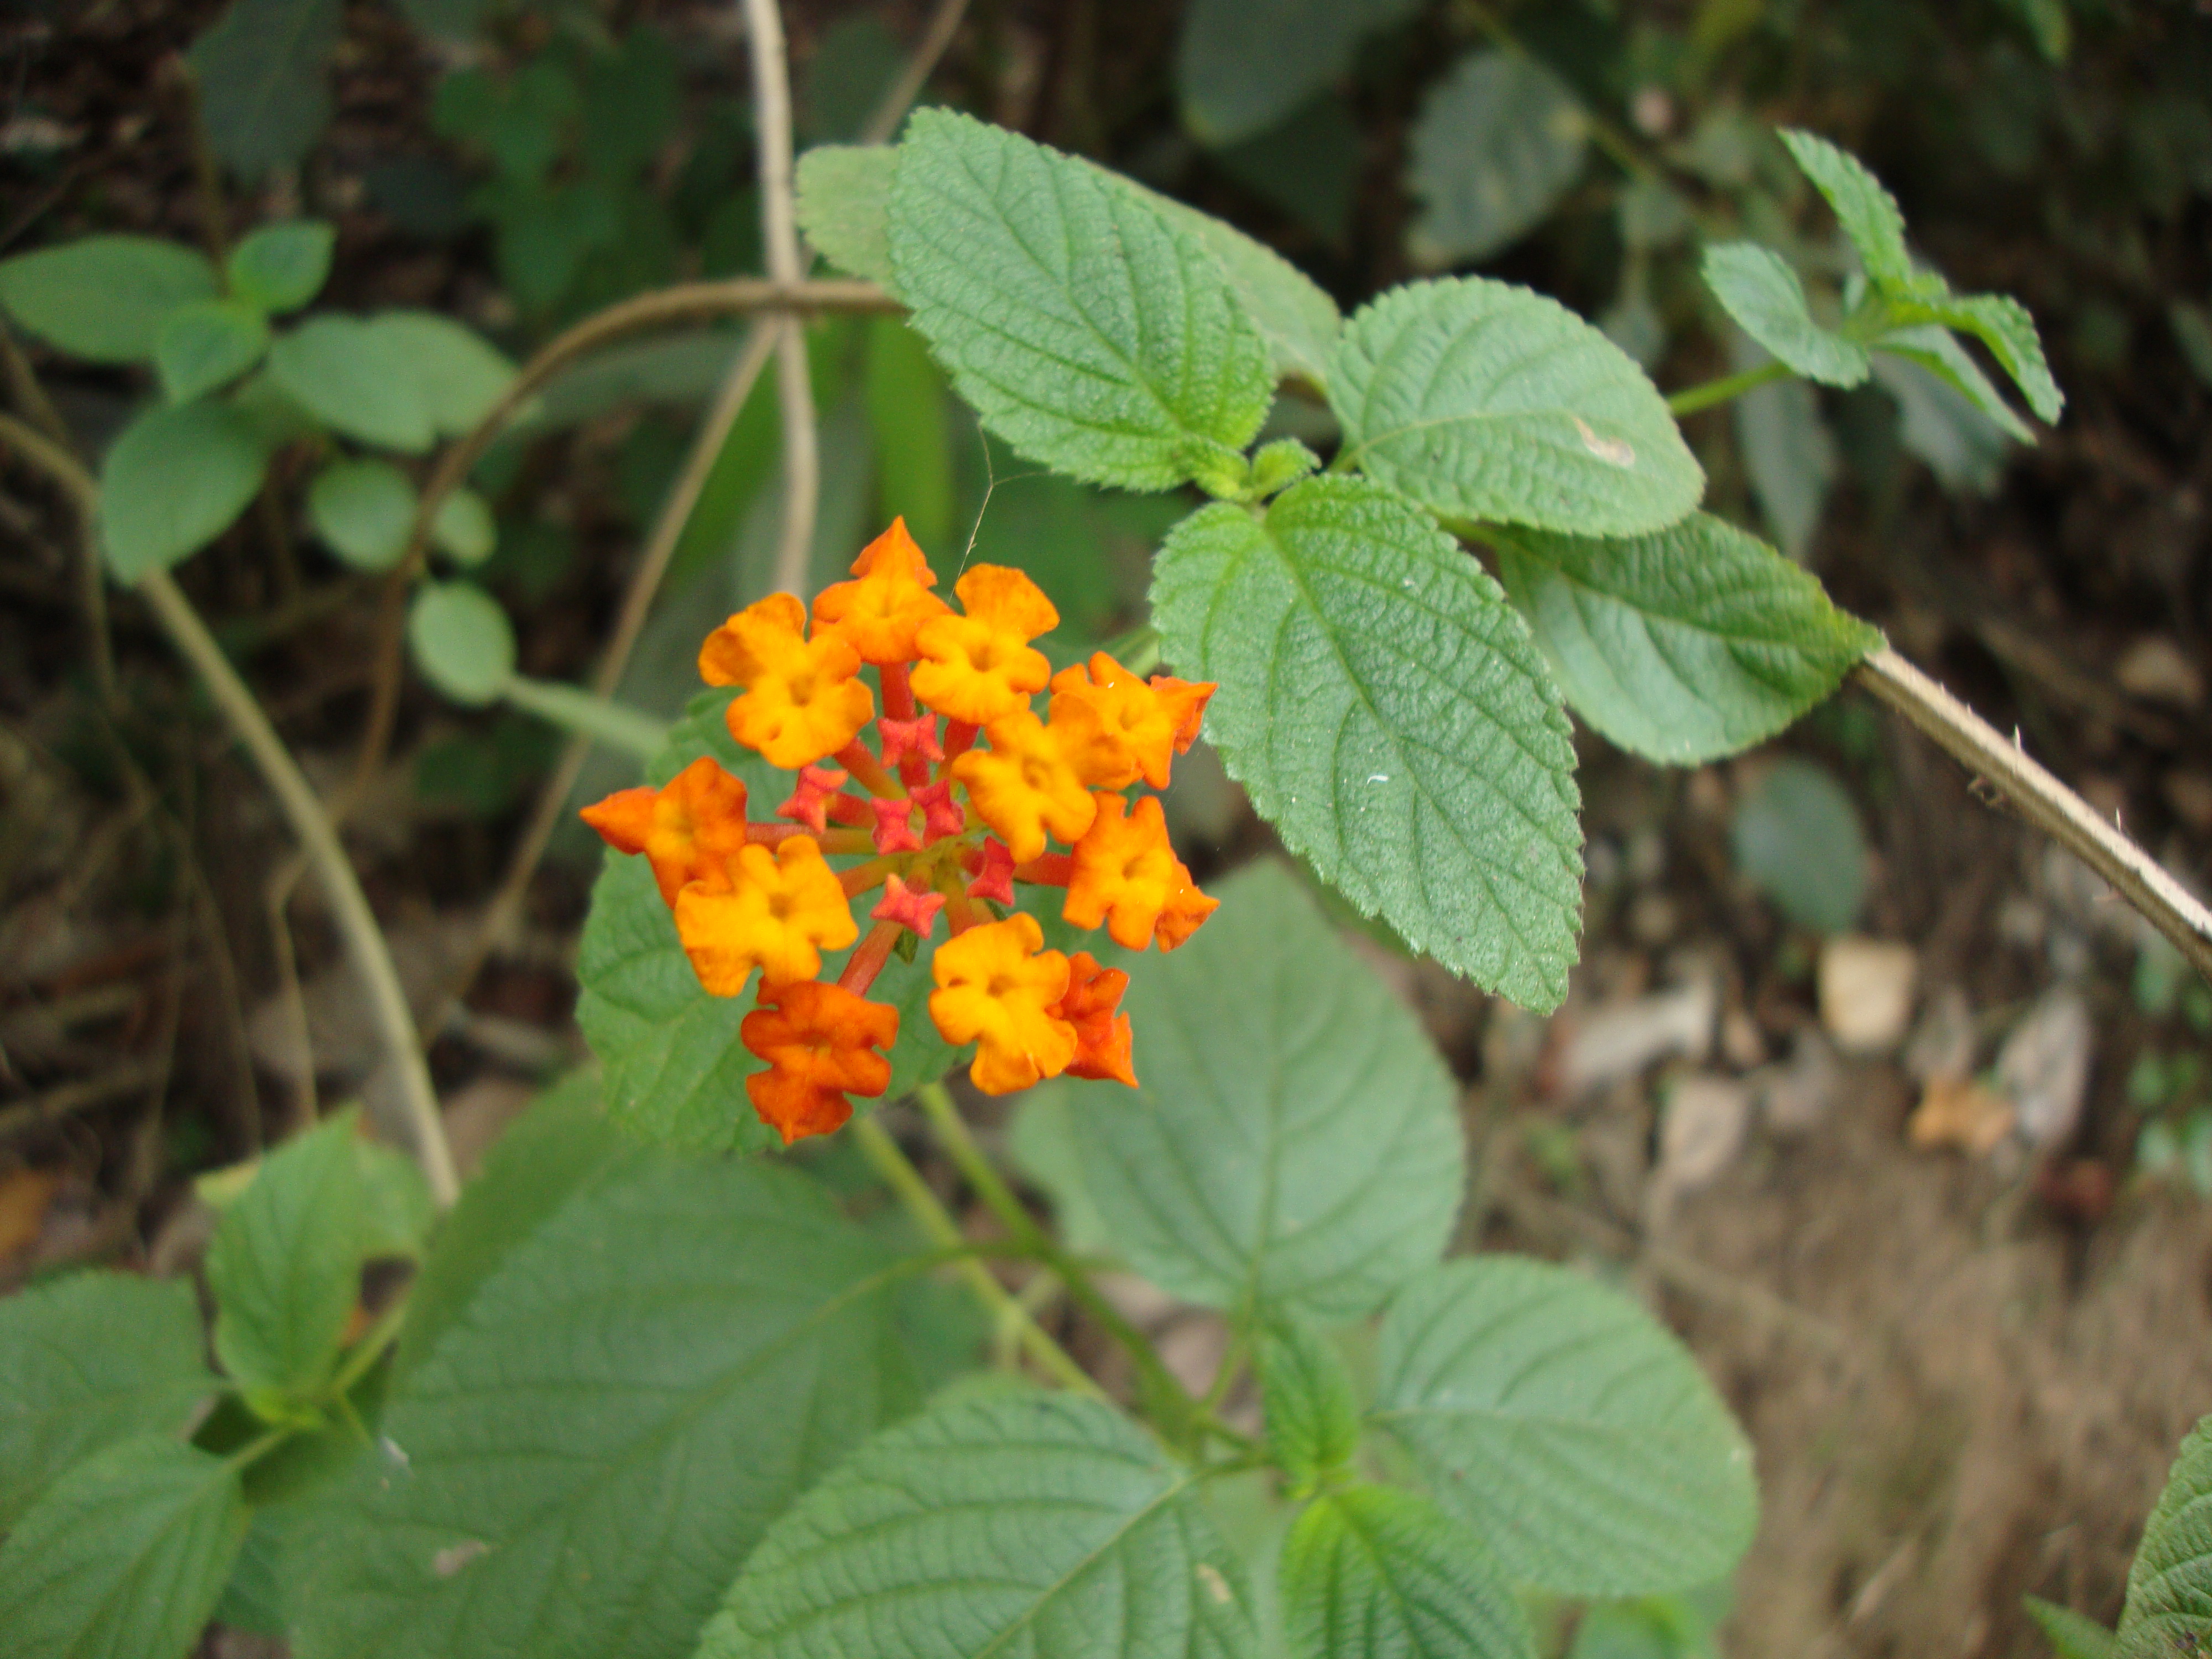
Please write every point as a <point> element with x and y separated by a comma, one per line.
<point>819,1041</point>
<point>690,828</point>
<point>804,699</point>
<point>1127,878</point>
<point>1000,989</point>
<point>782,908</point>
<point>879,612</point>
<point>980,668</point>
<point>1103,1036</point>
<point>1025,784</point>
<point>1141,725</point>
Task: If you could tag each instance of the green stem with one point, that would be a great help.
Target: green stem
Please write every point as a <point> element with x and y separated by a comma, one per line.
<point>1690,399</point>
<point>260,1446</point>
<point>601,719</point>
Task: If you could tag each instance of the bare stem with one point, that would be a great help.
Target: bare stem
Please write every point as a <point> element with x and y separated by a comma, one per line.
<point>1690,399</point>
<point>899,98</point>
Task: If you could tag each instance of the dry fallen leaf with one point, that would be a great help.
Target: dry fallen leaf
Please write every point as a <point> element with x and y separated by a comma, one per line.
<point>1866,991</point>
<point>2044,1066</point>
<point>1960,1112</point>
<point>25,1195</point>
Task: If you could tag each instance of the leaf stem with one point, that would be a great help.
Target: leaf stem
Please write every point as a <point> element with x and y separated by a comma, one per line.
<point>1690,399</point>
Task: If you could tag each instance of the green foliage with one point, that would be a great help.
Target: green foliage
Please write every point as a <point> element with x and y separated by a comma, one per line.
<point>1024,1524</point>
<point>1374,1573</point>
<point>1349,1158</point>
<point>1790,458</point>
<point>1868,213</point>
<point>1312,1415</point>
<point>910,425</point>
<point>2071,1635</point>
<point>1569,1428</point>
<point>2169,1608</point>
<point>1499,141</point>
<point>2001,323</point>
<point>1683,646</point>
<point>397,382</point>
<point>1297,320</point>
<point>174,480</point>
<point>1243,65</point>
<point>280,267</point>
<point>1758,288</point>
<point>205,344</point>
<point>1485,401</point>
<point>104,298</point>
<point>464,530</point>
<point>1084,328</point>
<point>363,510</point>
<point>262,74</point>
<point>1797,839</point>
<point>844,197</point>
<point>462,642</point>
<point>1385,708</point>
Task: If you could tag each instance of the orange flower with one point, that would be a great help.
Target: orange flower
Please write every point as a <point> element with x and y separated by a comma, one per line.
<point>1102,1037</point>
<point>980,668</point>
<point>879,612</point>
<point>818,1041</point>
<point>1144,724</point>
<point>690,829</point>
<point>1025,784</point>
<point>1127,876</point>
<point>783,909</point>
<point>803,699</point>
<point>998,988</point>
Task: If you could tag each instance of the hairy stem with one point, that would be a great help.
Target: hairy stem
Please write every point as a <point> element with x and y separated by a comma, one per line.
<point>1690,399</point>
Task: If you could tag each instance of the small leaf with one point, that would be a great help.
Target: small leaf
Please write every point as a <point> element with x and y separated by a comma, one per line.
<point>1758,288</point>
<point>1374,1573</point>
<point>460,377</point>
<point>1684,646</point>
<point>1388,712</point>
<point>285,1264</point>
<point>1868,213</point>
<point>1485,401</point>
<point>1943,427</point>
<point>173,482</point>
<point>1084,327</point>
<point>2169,1609</point>
<point>354,378</point>
<point>86,1360</point>
<point>1790,457</point>
<point>262,73</point>
<point>205,344</point>
<point>2071,1635</point>
<point>1575,1433</point>
<point>124,1557</point>
<point>1797,839</point>
<point>104,297</point>
<point>2002,325</point>
<point>1932,350</point>
<point>1293,1140</point>
<point>844,206</point>
<point>281,267</point>
<point>1499,141</point>
<point>463,529</point>
<point>1243,65</point>
<point>1027,1523</point>
<point>363,510</point>
<point>1312,1417</point>
<point>462,640</point>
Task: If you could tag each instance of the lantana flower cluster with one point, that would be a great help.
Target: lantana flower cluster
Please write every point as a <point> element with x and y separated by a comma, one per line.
<point>962,792</point>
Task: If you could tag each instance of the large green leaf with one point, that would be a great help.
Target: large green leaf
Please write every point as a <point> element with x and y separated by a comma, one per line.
<point>1868,213</point>
<point>1296,318</point>
<point>1682,646</point>
<point>1243,65</point>
<point>124,1557</point>
<point>585,1459</point>
<point>457,373</point>
<point>1567,1426</point>
<point>1294,1140</point>
<point>1499,141</point>
<point>85,1361</point>
<point>1031,1526</point>
<point>1486,401</point>
<point>1388,712</point>
<point>104,297</point>
<point>1760,289</point>
<point>1375,1573</point>
<point>844,206</point>
<point>262,73</point>
<point>173,481</point>
<point>2169,1609</point>
<point>1086,330</point>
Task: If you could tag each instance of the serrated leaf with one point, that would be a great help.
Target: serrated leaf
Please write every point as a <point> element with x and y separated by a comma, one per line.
<point>844,207</point>
<point>1374,1573</point>
<point>281,267</point>
<point>1932,350</point>
<point>1084,327</point>
<point>1486,401</point>
<point>88,1360</point>
<point>263,73</point>
<point>173,481</point>
<point>2169,1608</point>
<point>2071,1635</point>
<point>1499,141</point>
<point>1312,1416</point>
<point>363,509</point>
<point>104,297</point>
<point>1296,318</point>
<point>1684,646</point>
<point>354,379</point>
<point>1789,456</point>
<point>462,642</point>
<point>1026,1524</point>
<point>2002,325</point>
<point>1243,65</point>
<point>1293,1140</point>
<point>1387,711</point>
<point>1957,439</point>
<point>1573,1431</point>
<point>1762,292</point>
<point>1868,213</point>
<point>205,344</point>
<point>580,1464</point>
<point>125,1556</point>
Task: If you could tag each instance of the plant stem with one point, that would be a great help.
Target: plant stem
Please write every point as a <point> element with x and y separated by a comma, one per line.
<point>591,719</point>
<point>23,382</point>
<point>1690,399</point>
<point>900,97</point>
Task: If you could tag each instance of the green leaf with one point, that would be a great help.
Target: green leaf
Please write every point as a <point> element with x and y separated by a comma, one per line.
<point>1572,1431</point>
<point>463,529</point>
<point>908,419</point>
<point>1789,456</point>
<point>1759,288</point>
<point>462,642</point>
<point>1486,401</point>
<point>104,297</point>
<point>205,344</point>
<point>363,510</point>
<point>1243,65</point>
<point>257,1597</point>
<point>581,1463</point>
<point>352,376</point>
<point>173,482</point>
<point>1022,1524</point>
<point>460,376</point>
<point>1297,320</point>
<point>285,1266</point>
<point>397,1210</point>
<point>2169,1609</point>
<point>1042,1141</point>
<point>1934,351</point>
<point>1499,141</point>
<point>1796,838</point>
<point>281,267</point>
<point>1868,213</point>
<point>1683,646</point>
<point>1295,1139</point>
<point>1374,1573</point>
<point>1084,327</point>
<point>1388,712</point>
<point>86,1360</point>
<point>124,1558</point>
<point>844,206</point>
<point>263,73</point>
<point>1312,1416</point>
<point>2002,325</point>
<point>2071,1635</point>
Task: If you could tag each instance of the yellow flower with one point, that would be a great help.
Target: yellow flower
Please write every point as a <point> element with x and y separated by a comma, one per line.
<point>1126,876</point>
<point>1146,723</point>
<point>980,668</point>
<point>803,699</point>
<point>998,989</point>
<point>690,830</point>
<point>783,908</point>
<point>880,612</point>
<point>1025,784</point>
